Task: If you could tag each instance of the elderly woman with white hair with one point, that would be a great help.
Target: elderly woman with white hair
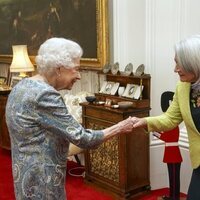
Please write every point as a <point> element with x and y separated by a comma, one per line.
<point>41,127</point>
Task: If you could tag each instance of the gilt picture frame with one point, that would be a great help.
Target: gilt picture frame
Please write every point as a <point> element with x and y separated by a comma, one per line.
<point>32,22</point>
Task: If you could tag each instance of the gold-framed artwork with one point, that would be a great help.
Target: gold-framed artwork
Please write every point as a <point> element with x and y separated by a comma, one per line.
<point>32,22</point>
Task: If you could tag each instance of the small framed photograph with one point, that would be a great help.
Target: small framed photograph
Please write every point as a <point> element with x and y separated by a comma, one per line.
<point>15,80</point>
<point>108,102</point>
<point>114,88</point>
<point>133,91</point>
<point>2,80</point>
<point>4,74</point>
<point>103,87</point>
<point>108,87</point>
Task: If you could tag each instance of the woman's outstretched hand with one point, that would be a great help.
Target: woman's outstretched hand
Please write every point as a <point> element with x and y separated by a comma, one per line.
<point>125,126</point>
<point>139,122</point>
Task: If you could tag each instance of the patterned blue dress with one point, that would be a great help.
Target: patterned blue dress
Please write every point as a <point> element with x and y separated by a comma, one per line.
<point>41,129</point>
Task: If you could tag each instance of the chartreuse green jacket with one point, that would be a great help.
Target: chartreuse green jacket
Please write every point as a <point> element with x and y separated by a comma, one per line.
<point>179,111</point>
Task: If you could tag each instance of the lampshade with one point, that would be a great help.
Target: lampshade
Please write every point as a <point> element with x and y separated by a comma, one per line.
<point>21,62</point>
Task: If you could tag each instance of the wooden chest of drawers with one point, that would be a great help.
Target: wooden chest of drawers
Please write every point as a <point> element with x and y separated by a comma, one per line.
<point>121,164</point>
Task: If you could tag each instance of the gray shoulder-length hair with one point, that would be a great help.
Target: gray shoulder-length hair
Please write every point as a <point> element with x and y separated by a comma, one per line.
<point>188,55</point>
<point>57,52</point>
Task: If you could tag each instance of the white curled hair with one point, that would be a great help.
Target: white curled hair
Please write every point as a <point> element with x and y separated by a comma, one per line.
<point>56,52</point>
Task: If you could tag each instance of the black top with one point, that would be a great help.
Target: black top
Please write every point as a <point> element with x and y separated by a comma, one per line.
<point>195,107</point>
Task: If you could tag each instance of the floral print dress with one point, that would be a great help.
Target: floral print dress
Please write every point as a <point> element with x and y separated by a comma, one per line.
<point>41,129</point>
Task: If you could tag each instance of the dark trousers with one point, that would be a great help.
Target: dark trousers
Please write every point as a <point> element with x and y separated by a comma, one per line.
<point>174,180</point>
<point>194,188</point>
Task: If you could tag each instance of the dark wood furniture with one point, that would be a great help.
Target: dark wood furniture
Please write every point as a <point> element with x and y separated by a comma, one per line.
<point>121,164</point>
<point>4,135</point>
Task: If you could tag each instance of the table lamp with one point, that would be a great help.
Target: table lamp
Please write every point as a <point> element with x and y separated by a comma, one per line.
<point>21,62</point>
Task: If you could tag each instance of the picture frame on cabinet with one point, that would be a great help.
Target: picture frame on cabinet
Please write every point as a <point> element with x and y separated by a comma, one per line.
<point>32,22</point>
<point>133,91</point>
<point>3,80</point>
<point>108,102</point>
<point>114,88</point>
<point>15,80</point>
<point>103,87</point>
<point>108,88</point>
<point>5,74</point>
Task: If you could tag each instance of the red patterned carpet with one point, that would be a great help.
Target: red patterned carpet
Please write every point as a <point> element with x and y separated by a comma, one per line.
<point>76,188</point>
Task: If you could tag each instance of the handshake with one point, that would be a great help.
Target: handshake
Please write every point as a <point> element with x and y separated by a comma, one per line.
<point>125,126</point>
<point>131,123</point>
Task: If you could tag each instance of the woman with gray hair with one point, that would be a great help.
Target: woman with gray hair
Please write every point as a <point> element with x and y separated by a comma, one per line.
<point>184,107</point>
<point>41,127</point>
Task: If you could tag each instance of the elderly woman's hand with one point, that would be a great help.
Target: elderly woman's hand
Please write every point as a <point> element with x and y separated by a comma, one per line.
<point>139,122</point>
<point>126,125</point>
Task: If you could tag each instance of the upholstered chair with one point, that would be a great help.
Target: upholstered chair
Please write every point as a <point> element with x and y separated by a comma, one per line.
<point>73,105</point>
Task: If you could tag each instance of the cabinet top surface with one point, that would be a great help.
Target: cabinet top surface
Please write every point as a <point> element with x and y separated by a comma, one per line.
<point>4,92</point>
<point>148,76</point>
<point>115,110</point>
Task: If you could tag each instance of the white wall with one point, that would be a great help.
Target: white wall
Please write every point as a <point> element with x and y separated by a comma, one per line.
<point>145,31</point>
<point>129,32</point>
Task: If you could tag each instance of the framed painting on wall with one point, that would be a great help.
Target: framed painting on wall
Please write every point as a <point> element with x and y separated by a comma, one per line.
<point>32,22</point>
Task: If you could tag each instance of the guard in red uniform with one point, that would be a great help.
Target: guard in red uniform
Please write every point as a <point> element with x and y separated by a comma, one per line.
<point>172,155</point>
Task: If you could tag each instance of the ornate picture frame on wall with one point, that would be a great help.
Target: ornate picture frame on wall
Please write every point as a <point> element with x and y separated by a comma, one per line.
<point>32,22</point>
